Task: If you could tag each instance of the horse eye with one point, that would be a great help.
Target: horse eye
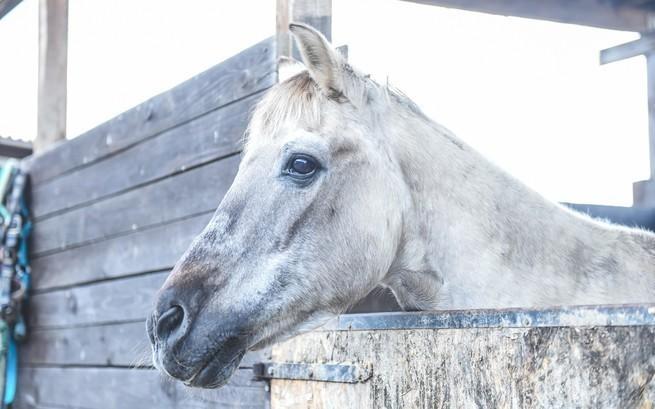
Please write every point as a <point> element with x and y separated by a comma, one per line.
<point>301,166</point>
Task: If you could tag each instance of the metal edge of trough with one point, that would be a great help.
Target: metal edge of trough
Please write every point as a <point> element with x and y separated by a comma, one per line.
<point>325,372</point>
<point>574,316</point>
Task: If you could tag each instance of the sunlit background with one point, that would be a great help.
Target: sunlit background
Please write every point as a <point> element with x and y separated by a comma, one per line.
<point>528,94</point>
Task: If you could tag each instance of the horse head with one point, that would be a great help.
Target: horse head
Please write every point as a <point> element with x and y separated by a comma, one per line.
<point>310,225</point>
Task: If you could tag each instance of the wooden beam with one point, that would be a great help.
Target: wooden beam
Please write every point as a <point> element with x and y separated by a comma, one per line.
<point>650,68</point>
<point>644,45</point>
<point>596,13</point>
<point>316,13</point>
<point>6,6</point>
<point>53,55</point>
<point>644,191</point>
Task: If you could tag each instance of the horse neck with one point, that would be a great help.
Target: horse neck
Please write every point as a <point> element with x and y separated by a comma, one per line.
<point>493,242</point>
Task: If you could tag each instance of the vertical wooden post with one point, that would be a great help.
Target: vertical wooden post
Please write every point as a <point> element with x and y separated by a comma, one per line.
<point>316,13</point>
<point>643,192</point>
<point>53,55</point>
<point>650,69</point>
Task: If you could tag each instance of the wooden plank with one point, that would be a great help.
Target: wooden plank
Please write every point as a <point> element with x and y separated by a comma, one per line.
<point>595,13</point>
<point>200,141</point>
<point>147,250</point>
<point>564,367</point>
<point>53,63</point>
<point>249,72</point>
<point>123,344</point>
<point>316,13</point>
<point>115,388</point>
<point>642,46</point>
<point>7,5</point>
<point>199,190</point>
<point>115,301</point>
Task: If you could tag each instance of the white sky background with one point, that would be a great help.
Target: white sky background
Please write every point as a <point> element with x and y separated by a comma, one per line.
<point>528,94</point>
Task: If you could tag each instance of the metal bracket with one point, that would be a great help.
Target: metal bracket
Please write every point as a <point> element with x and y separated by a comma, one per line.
<point>344,373</point>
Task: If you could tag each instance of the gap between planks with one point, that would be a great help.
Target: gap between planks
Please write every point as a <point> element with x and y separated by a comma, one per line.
<point>102,280</point>
<point>118,235</point>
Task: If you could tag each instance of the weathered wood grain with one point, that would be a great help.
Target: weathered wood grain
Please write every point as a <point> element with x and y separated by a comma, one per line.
<point>196,191</point>
<point>249,72</point>
<point>551,367</point>
<point>116,388</point>
<point>131,299</point>
<point>147,250</point>
<point>123,344</point>
<point>202,140</point>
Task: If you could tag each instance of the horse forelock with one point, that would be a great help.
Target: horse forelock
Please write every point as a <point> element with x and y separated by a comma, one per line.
<point>300,102</point>
<point>297,100</point>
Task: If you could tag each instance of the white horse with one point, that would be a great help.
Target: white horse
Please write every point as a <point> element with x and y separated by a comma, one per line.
<point>346,185</point>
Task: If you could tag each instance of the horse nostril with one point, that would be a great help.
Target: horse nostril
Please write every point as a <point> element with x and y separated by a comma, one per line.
<point>169,321</point>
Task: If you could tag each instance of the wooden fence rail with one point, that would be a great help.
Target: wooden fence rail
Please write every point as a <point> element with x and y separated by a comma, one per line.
<point>582,357</point>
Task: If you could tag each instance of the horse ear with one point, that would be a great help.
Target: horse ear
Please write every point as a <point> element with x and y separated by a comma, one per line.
<point>322,61</point>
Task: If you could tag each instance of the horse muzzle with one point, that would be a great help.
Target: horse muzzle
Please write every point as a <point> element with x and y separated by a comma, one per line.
<point>199,351</point>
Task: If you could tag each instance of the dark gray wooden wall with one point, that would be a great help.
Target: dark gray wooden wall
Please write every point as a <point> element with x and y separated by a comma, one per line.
<point>113,210</point>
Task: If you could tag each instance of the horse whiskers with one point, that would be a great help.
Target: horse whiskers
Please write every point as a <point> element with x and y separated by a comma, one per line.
<point>143,360</point>
<point>142,355</point>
